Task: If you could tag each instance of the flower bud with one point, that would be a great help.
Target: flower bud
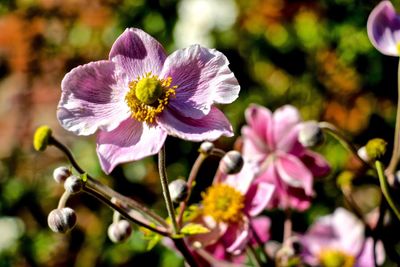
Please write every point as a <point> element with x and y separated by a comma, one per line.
<point>206,148</point>
<point>61,174</point>
<point>73,184</point>
<point>376,148</point>
<point>310,134</point>
<point>178,190</point>
<point>119,231</point>
<point>61,220</point>
<point>362,153</point>
<point>231,163</point>
<point>41,138</point>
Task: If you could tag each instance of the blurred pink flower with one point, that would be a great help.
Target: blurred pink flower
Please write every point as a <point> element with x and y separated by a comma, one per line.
<point>338,240</point>
<point>141,95</point>
<point>228,209</point>
<point>384,29</point>
<point>271,141</point>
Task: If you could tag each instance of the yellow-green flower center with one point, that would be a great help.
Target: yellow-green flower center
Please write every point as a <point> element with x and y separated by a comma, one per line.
<point>148,96</point>
<point>398,47</point>
<point>223,202</point>
<point>335,258</point>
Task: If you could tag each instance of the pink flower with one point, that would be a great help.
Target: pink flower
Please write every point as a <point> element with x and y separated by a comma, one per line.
<point>141,95</point>
<point>271,141</point>
<point>384,29</point>
<point>338,240</point>
<point>228,209</point>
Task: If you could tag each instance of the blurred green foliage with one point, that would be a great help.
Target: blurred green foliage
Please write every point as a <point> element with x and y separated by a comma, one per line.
<point>313,54</point>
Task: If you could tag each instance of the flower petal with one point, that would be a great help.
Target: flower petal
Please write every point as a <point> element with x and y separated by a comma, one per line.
<point>366,258</point>
<point>131,141</point>
<point>92,99</point>
<point>286,120</point>
<point>236,237</point>
<point>137,53</point>
<point>260,122</point>
<point>261,226</point>
<point>209,127</point>
<point>384,28</point>
<point>293,172</point>
<point>258,197</point>
<point>242,180</point>
<point>203,78</point>
<point>315,163</point>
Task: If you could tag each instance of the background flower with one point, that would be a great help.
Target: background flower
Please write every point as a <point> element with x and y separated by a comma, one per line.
<point>271,141</point>
<point>339,239</point>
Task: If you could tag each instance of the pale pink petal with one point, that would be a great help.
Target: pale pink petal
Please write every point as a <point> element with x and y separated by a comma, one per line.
<point>131,141</point>
<point>383,28</point>
<point>241,181</point>
<point>350,230</point>
<point>92,99</point>
<point>259,119</point>
<point>217,230</point>
<point>315,163</point>
<point>137,53</point>
<point>236,237</point>
<point>286,121</point>
<point>366,258</point>
<point>210,127</point>
<point>261,226</point>
<point>202,77</point>
<point>293,172</point>
<point>258,197</point>
<point>254,148</point>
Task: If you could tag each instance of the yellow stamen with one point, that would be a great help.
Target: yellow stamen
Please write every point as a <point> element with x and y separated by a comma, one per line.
<point>335,258</point>
<point>148,96</point>
<point>223,202</point>
<point>398,47</point>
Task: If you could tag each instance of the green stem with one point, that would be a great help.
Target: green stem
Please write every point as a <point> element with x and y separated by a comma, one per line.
<point>164,186</point>
<point>385,188</point>
<point>396,150</point>
<point>333,131</point>
<point>192,176</point>
<point>253,256</point>
<point>105,190</point>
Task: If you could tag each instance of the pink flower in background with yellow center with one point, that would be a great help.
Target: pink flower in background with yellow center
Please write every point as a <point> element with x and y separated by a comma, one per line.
<point>228,209</point>
<point>384,29</point>
<point>271,141</point>
<point>141,95</point>
<point>337,240</point>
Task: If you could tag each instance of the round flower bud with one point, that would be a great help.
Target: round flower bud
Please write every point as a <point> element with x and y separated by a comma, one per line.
<point>362,153</point>
<point>41,138</point>
<point>231,163</point>
<point>61,220</point>
<point>61,174</point>
<point>178,190</point>
<point>310,134</point>
<point>119,231</point>
<point>376,148</point>
<point>206,147</point>
<point>73,184</point>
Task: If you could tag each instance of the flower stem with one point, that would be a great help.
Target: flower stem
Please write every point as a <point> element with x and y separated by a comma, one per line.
<point>164,186</point>
<point>63,200</point>
<point>187,254</point>
<point>253,256</point>
<point>105,190</point>
<point>192,176</point>
<point>287,227</point>
<point>385,188</point>
<point>396,150</point>
<point>332,130</point>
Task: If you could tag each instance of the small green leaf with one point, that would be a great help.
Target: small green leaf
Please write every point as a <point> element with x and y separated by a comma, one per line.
<point>194,229</point>
<point>84,177</point>
<point>153,242</point>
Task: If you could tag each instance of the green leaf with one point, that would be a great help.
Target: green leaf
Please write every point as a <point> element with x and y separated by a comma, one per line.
<point>84,177</point>
<point>153,242</point>
<point>194,229</point>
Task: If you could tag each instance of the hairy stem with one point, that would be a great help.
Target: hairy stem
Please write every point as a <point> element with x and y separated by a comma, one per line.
<point>385,188</point>
<point>164,186</point>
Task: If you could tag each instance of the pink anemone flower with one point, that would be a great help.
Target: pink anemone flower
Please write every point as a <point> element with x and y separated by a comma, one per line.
<point>140,95</point>
<point>271,141</point>
<point>384,29</point>
<point>338,240</point>
<point>228,209</point>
